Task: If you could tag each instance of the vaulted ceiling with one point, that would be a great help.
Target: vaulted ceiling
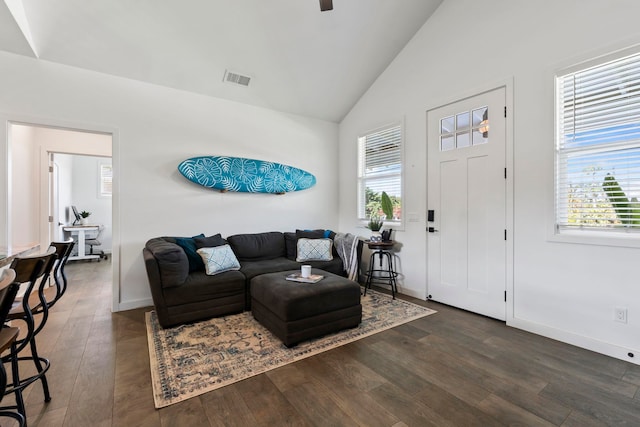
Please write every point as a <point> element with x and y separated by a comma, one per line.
<point>300,60</point>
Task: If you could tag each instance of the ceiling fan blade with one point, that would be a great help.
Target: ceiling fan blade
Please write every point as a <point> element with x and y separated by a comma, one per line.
<point>326,5</point>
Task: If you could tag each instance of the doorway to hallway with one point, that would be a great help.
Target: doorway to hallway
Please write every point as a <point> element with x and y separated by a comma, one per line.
<point>52,169</point>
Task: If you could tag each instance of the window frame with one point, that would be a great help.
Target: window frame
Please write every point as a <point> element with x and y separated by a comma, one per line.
<point>604,236</point>
<point>101,180</point>
<point>397,224</point>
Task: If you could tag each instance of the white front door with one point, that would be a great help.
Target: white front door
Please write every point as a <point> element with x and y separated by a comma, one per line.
<point>466,184</point>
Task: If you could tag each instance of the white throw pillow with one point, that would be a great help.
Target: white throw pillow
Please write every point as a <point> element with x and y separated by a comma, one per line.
<point>218,259</point>
<point>314,250</point>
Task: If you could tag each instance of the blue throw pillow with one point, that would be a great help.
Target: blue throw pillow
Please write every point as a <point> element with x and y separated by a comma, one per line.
<point>188,244</point>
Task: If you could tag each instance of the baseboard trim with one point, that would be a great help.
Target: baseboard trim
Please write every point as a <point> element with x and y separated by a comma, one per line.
<point>412,293</point>
<point>130,305</point>
<point>581,341</point>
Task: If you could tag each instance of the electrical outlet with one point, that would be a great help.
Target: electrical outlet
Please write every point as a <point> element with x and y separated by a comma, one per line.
<point>620,314</point>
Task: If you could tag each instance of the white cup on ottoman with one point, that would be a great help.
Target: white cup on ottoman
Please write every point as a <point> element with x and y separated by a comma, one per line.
<point>305,271</point>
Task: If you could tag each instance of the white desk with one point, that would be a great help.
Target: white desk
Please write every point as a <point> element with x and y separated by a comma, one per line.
<point>80,230</point>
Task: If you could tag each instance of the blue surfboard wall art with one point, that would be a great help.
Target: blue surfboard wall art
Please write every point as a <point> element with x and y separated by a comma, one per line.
<point>245,175</point>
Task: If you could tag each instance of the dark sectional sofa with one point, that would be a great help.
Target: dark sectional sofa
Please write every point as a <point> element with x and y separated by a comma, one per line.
<point>182,292</point>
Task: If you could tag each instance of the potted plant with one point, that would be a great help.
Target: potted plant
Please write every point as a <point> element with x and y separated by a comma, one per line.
<point>85,217</point>
<point>387,208</point>
<point>375,224</point>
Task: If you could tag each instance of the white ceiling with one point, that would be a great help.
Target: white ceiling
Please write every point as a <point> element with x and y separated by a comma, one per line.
<point>300,60</point>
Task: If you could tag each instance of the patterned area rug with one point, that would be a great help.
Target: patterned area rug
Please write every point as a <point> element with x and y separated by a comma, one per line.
<point>190,360</point>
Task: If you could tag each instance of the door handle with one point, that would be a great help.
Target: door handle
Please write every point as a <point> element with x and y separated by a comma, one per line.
<point>432,230</point>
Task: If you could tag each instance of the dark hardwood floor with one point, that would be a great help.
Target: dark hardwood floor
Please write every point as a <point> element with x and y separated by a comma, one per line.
<point>450,369</point>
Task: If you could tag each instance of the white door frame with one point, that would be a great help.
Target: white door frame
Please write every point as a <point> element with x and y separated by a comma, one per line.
<point>509,196</point>
<point>54,227</point>
<point>6,120</point>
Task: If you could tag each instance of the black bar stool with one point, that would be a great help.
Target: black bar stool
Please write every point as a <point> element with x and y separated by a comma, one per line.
<point>50,295</point>
<point>381,275</point>
<point>8,335</point>
<point>31,271</point>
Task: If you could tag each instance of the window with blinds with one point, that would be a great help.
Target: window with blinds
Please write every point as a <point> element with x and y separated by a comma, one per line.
<point>598,147</point>
<point>380,160</point>
<point>106,180</point>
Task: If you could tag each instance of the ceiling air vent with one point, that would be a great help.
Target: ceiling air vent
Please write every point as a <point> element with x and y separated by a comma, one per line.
<point>239,79</point>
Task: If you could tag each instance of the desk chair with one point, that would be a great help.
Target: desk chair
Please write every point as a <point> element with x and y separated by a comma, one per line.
<point>94,241</point>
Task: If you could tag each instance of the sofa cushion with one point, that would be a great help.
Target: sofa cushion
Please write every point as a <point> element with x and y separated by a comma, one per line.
<point>311,234</point>
<point>172,261</point>
<point>291,242</point>
<point>218,259</point>
<point>252,269</point>
<point>200,287</point>
<point>258,246</point>
<point>209,242</point>
<point>188,244</point>
<point>334,266</point>
<point>318,233</point>
<point>314,250</point>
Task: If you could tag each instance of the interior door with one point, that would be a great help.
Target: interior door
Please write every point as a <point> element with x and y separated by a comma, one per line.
<point>467,196</point>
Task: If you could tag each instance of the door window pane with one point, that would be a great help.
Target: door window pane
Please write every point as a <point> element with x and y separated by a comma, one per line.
<point>447,125</point>
<point>462,140</point>
<point>462,121</point>
<point>465,129</point>
<point>478,137</point>
<point>447,143</point>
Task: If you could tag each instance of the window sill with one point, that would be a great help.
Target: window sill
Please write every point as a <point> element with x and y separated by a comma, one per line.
<point>395,226</point>
<point>588,237</point>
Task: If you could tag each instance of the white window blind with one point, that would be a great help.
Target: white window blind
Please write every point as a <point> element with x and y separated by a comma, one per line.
<point>380,161</point>
<point>106,180</point>
<point>598,147</point>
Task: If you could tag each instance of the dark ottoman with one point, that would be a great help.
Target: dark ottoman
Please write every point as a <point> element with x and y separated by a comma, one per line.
<point>295,311</point>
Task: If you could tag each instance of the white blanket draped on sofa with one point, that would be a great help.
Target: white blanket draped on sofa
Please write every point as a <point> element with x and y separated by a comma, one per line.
<point>347,247</point>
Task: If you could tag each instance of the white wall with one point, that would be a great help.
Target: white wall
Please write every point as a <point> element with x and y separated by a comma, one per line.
<point>24,183</point>
<point>566,291</point>
<point>154,129</point>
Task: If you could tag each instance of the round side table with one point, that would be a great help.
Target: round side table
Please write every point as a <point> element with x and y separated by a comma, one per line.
<point>381,275</point>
